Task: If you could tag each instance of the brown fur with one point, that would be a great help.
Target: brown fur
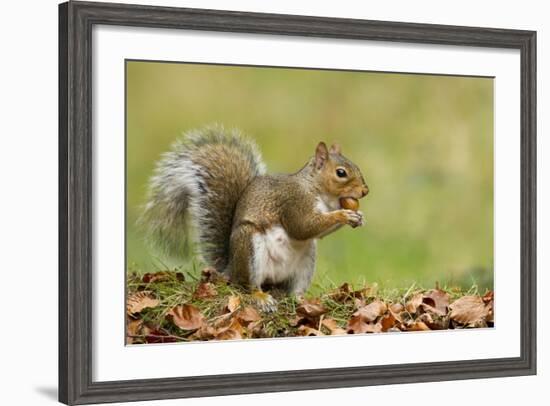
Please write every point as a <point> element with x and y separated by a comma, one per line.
<point>290,201</point>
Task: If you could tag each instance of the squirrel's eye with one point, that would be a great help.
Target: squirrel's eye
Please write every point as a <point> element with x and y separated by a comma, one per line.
<point>341,173</point>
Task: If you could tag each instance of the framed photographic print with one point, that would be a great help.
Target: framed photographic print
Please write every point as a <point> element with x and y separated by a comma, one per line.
<point>259,202</point>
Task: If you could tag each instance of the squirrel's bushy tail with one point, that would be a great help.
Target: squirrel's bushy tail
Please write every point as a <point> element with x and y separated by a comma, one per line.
<point>194,191</point>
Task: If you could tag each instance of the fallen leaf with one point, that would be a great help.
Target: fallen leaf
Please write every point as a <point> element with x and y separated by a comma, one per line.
<point>489,300</point>
<point>186,317</point>
<point>388,321</point>
<point>342,293</point>
<point>205,332</point>
<point>229,335</point>
<point>469,310</point>
<point>396,308</point>
<point>333,327</point>
<point>308,331</point>
<point>417,326</point>
<point>359,303</point>
<point>374,328</point>
<point>222,320</point>
<point>255,328</point>
<point>247,315</point>
<point>371,311</point>
<point>434,321</point>
<point>412,305</point>
<point>436,301</point>
<point>233,303</point>
<point>356,325</point>
<point>232,332</point>
<point>162,276</point>
<point>133,329</point>
<point>311,309</point>
<point>205,290</point>
<point>488,297</point>
<point>139,301</point>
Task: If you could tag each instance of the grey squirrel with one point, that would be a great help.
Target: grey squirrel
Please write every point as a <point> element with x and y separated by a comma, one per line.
<point>260,230</point>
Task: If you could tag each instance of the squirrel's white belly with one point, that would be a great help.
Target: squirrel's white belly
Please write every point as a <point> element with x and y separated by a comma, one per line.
<point>277,257</point>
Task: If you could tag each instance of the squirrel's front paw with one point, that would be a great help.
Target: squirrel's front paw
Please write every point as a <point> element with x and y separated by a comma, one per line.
<point>264,301</point>
<point>353,218</point>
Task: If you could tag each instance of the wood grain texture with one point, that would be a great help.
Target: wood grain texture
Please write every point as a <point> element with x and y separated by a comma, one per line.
<point>76,20</point>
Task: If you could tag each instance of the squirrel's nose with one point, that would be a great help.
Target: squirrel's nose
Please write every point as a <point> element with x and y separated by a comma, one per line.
<point>365,190</point>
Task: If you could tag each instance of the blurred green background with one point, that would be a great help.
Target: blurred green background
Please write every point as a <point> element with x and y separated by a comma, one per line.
<point>423,142</point>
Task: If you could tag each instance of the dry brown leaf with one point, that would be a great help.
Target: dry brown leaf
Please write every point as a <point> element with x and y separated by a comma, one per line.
<point>436,301</point>
<point>229,334</point>
<point>310,309</point>
<point>374,328</point>
<point>417,326</point>
<point>359,303</point>
<point>234,331</point>
<point>133,329</point>
<point>489,300</point>
<point>205,332</point>
<point>233,303</point>
<point>341,293</point>
<point>356,325</point>
<point>488,297</point>
<point>426,318</point>
<point>388,321</point>
<point>330,324</point>
<point>255,328</point>
<point>247,315</point>
<point>162,276</point>
<point>205,290</point>
<point>333,327</point>
<point>186,317</point>
<point>138,301</point>
<point>222,320</point>
<point>412,305</point>
<point>396,308</point>
<point>371,311</point>
<point>344,292</point>
<point>469,310</point>
<point>308,331</point>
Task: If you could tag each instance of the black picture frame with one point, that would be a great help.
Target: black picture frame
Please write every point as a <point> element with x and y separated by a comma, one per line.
<point>76,20</point>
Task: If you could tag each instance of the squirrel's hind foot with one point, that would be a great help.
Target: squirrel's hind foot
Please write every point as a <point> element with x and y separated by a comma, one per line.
<point>265,302</point>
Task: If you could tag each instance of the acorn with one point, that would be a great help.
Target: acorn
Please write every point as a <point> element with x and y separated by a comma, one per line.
<point>349,203</point>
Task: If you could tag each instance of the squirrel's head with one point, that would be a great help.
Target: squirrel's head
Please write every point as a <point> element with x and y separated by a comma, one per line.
<point>339,176</point>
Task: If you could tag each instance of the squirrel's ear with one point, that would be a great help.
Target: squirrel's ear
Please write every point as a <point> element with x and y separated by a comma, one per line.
<point>321,155</point>
<point>335,149</point>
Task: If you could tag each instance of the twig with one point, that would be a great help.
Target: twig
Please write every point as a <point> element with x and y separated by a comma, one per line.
<point>156,336</point>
